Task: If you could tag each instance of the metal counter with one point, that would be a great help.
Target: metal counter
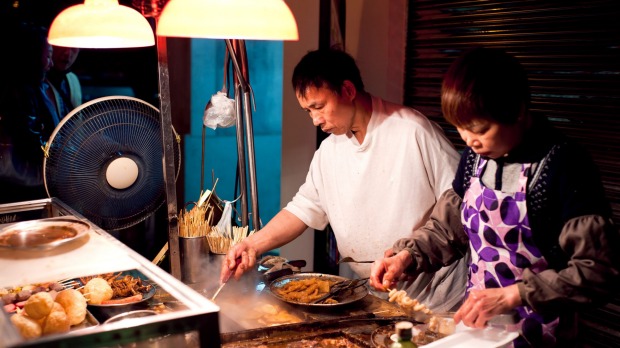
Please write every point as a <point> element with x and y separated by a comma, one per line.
<point>194,322</point>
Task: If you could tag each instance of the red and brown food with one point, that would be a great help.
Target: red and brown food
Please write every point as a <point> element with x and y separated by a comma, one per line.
<point>110,288</point>
<point>14,298</point>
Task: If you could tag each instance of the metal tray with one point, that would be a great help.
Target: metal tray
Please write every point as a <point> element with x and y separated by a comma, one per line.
<point>43,234</point>
<point>358,293</point>
<point>89,322</point>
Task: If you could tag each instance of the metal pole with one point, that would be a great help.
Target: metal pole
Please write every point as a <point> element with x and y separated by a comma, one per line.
<point>251,160</point>
<point>243,91</point>
<point>241,157</point>
<point>168,157</point>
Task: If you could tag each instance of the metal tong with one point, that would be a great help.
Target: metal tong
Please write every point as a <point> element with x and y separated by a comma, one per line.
<point>341,288</point>
<point>286,268</point>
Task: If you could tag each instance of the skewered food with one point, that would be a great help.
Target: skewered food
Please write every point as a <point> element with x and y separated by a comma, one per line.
<point>49,313</point>
<point>19,294</point>
<point>441,325</point>
<point>26,326</point>
<point>56,321</point>
<point>118,288</point>
<point>407,303</point>
<point>74,304</point>
<point>39,305</point>
<point>98,290</point>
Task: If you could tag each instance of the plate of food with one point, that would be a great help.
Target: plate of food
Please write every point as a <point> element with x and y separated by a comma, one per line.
<point>116,289</point>
<point>318,289</point>
<point>42,234</point>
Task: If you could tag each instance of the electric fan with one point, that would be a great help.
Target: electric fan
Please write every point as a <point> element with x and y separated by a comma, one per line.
<point>104,160</point>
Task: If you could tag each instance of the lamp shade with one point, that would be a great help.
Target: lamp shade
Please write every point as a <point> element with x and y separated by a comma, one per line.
<point>100,24</point>
<point>228,19</point>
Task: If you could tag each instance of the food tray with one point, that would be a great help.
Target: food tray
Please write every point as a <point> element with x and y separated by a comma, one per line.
<point>105,311</point>
<point>356,295</point>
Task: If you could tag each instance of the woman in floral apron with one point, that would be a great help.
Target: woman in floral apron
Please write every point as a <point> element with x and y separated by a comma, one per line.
<point>526,202</point>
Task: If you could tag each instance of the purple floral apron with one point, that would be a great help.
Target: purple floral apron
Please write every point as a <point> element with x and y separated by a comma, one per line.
<point>502,248</point>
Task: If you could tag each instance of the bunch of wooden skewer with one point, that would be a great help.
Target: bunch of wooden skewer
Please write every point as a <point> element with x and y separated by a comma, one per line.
<point>197,221</point>
<point>220,241</point>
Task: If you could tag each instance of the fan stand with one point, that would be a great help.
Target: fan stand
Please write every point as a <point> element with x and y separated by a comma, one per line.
<point>168,158</point>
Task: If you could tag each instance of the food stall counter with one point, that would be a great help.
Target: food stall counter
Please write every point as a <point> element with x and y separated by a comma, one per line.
<point>177,314</point>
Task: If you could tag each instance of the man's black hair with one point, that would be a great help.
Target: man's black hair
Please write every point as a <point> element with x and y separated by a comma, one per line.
<point>326,68</point>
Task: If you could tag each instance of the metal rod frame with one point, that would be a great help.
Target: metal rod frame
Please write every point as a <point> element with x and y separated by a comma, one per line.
<point>236,49</point>
<point>167,137</point>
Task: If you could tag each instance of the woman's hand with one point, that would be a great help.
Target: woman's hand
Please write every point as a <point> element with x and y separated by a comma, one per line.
<point>482,305</point>
<point>387,271</point>
<point>239,258</point>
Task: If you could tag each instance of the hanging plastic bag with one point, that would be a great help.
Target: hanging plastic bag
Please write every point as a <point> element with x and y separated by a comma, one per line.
<point>224,226</point>
<point>220,111</point>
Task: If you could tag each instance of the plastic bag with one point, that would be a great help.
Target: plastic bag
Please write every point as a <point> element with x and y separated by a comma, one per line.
<point>220,112</point>
<point>224,226</point>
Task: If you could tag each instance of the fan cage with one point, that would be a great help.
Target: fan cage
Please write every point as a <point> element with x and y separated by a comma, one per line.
<point>87,140</point>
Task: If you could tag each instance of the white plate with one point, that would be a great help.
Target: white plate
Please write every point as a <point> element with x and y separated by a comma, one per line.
<point>464,336</point>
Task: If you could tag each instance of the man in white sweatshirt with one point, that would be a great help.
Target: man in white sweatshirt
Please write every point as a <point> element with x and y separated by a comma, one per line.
<point>375,179</point>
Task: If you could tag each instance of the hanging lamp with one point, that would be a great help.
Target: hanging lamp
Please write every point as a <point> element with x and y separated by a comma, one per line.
<point>228,19</point>
<point>101,24</point>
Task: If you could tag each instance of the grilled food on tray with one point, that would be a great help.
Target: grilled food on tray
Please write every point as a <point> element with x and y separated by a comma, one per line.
<point>97,290</point>
<point>110,288</point>
<point>305,290</point>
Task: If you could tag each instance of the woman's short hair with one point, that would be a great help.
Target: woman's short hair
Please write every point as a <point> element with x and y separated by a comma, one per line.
<point>484,83</point>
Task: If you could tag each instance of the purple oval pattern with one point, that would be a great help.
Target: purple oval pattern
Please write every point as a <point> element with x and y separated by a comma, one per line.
<point>502,247</point>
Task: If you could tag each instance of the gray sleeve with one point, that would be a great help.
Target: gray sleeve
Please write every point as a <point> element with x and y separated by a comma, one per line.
<point>591,275</point>
<point>441,241</point>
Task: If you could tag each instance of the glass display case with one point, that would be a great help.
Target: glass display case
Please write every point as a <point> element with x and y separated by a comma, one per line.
<point>172,315</point>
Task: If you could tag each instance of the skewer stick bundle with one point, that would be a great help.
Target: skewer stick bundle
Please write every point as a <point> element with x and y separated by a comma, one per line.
<point>220,242</point>
<point>197,221</point>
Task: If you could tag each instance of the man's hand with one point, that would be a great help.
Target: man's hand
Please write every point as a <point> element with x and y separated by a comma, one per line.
<point>482,305</point>
<point>239,258</point>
